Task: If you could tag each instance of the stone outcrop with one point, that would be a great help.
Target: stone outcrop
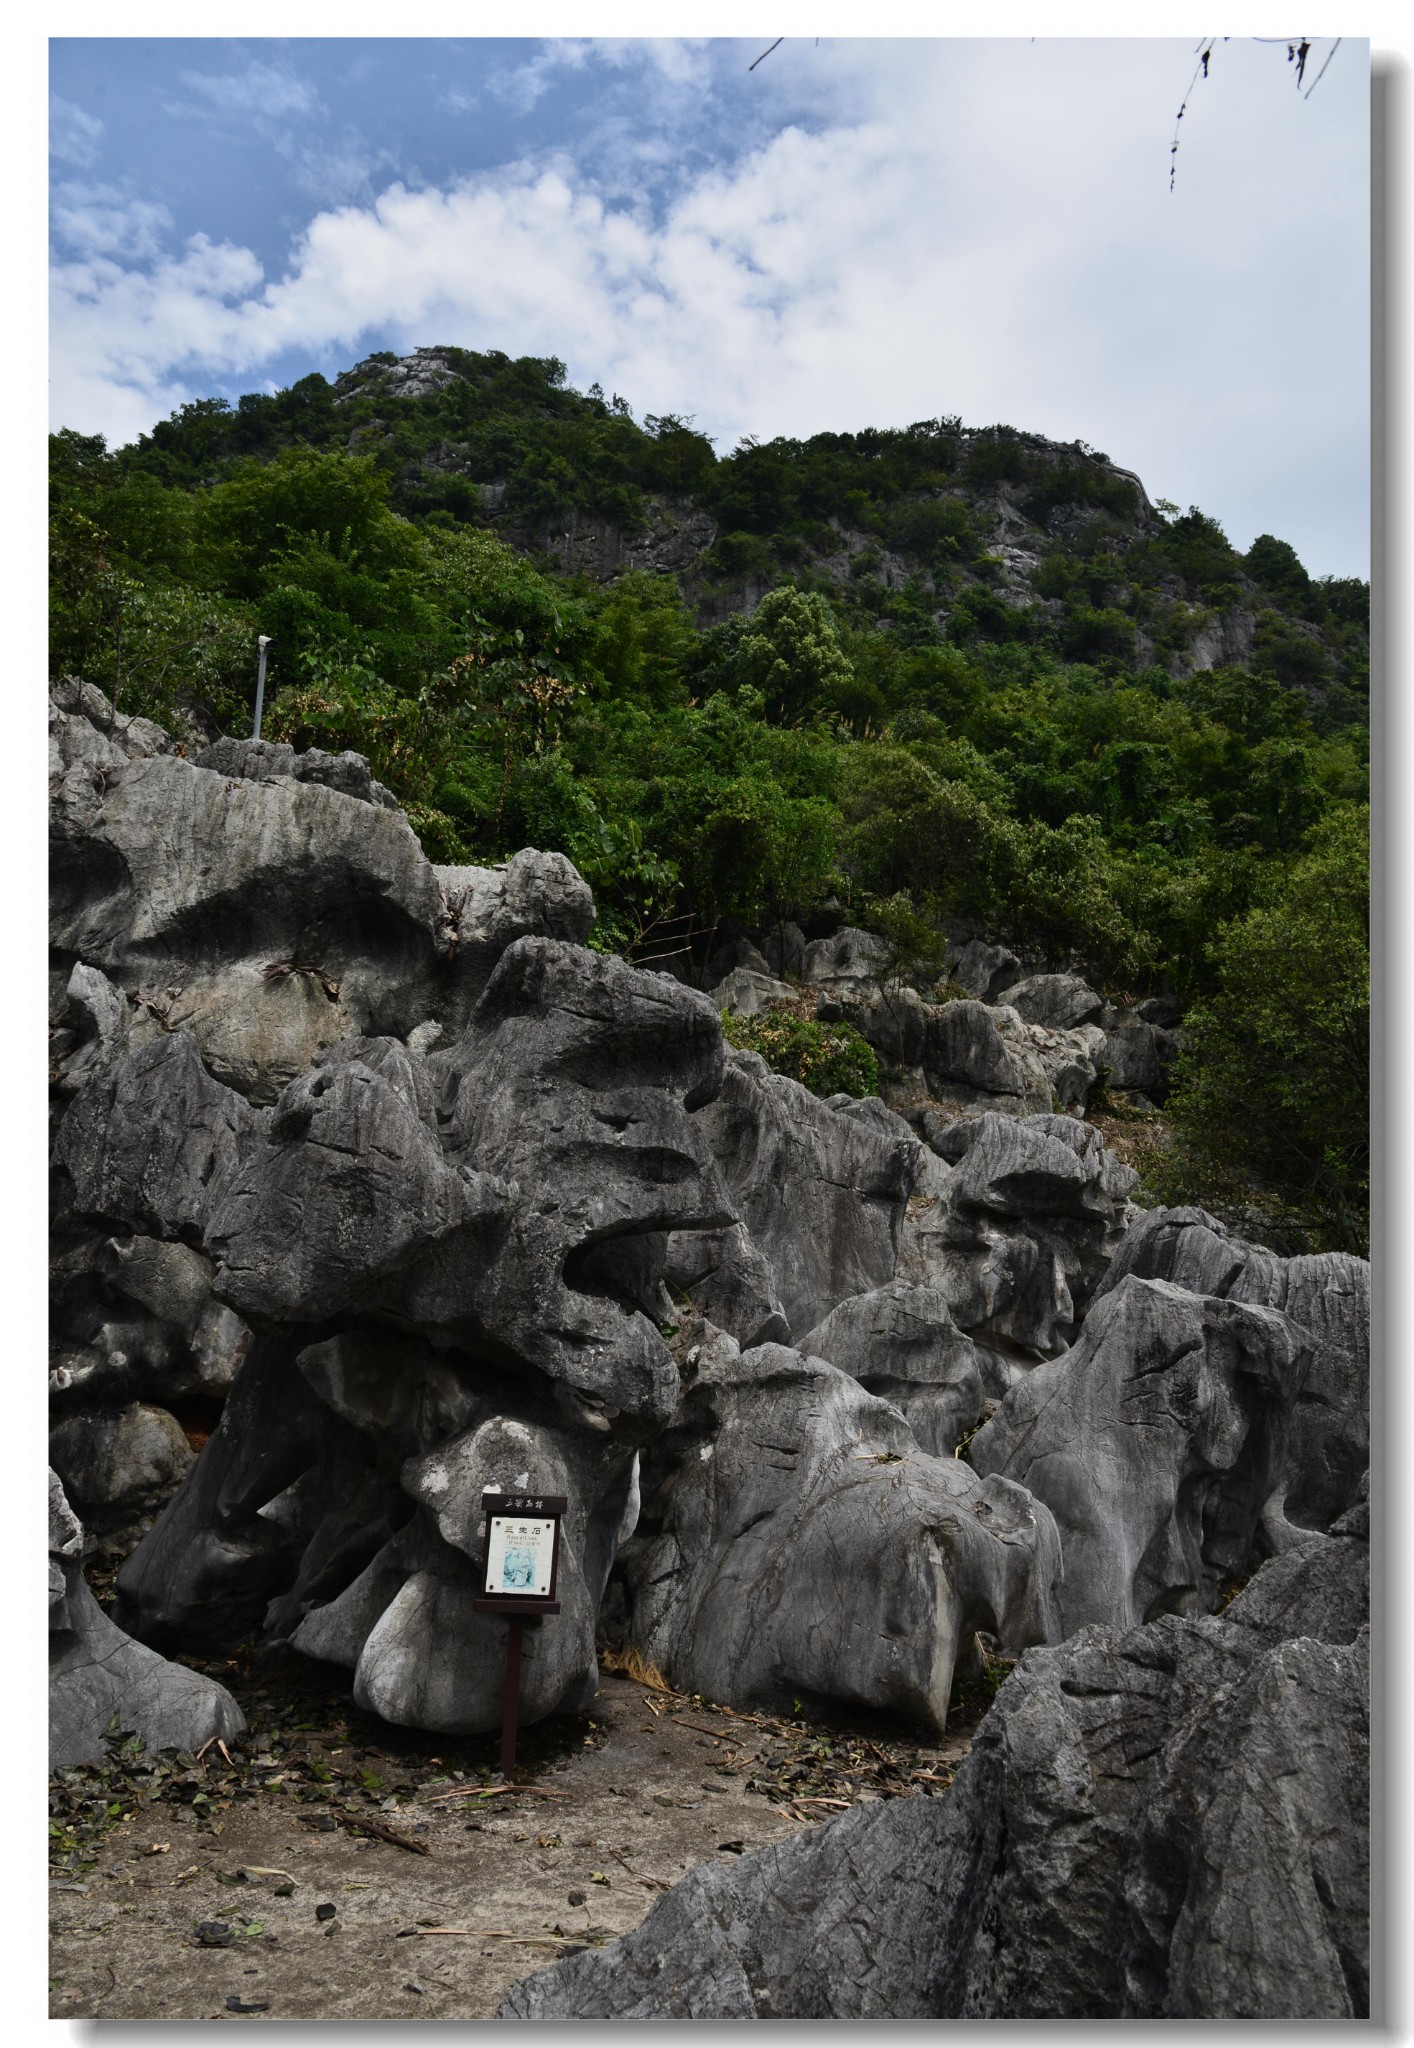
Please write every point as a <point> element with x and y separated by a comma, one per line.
<point>270,903</point>
<point>794,1539</point>
<point>1154,1441</point>
<point>376,1189</point>
<point>820,1187</point>
<point>1021,1233</point>
<point>1112,1848</point>
<point>104,1685</point>
<point>901,1343</point>
<point>1327,1294</point>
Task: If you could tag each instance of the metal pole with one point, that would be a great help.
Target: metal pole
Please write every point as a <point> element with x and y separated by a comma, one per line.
<point>512,1698</point>
<point>262,643</point>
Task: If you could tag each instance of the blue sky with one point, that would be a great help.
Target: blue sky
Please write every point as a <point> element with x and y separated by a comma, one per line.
<point>855,233</point>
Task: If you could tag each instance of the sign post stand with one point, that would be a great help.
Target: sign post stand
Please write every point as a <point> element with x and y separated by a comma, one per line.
<point>521,1572</point>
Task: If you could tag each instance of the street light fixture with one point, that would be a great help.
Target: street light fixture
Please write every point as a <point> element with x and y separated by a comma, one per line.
<point>262,642</point>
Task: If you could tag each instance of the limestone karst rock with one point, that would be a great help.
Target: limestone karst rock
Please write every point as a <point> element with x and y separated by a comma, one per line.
<point>1328,1295</point>
<point>901,1343</point>
<point>1021,1233</point>
<point>794,1538</point>
<point>1059,1000</point>
<point>1155,1441</point>
<point>1114,1847</point>
<point>99,1679</point>
<point>272,908</point>
<point>820,1189</point>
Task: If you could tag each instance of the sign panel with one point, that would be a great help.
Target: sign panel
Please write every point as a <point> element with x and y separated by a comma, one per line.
<point>522,1555</point>
<point>520,1552</point>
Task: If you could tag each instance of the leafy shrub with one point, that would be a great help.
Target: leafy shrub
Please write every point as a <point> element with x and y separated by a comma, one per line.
<point>831,1059</point>
<point>1273,1087</point>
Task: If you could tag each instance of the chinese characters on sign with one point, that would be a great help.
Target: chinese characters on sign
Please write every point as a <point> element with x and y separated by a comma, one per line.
<point>519,1555</point>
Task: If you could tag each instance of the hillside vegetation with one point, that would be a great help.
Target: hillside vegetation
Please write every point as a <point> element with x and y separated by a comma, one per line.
<point>964,674</point>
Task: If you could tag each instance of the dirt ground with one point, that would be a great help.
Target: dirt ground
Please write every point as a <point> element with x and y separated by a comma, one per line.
<point>231,1886</point>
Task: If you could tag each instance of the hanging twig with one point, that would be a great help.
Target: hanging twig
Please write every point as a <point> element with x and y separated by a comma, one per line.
<point>766,53</point>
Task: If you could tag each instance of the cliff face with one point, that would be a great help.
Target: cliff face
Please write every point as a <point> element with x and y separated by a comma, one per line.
<point>967,531</point>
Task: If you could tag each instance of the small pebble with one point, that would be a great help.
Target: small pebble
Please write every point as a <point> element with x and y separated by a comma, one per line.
<point>576,1898</point>
<point>326,1911</point>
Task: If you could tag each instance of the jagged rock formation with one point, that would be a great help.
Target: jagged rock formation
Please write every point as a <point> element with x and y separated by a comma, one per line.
<point>820,1187</point>
<point>100,1680</point>
<point>1327,1294</point>
<point>410,1194</point>
<point>1112,1848</point>
<point>902,1344</point>
<point>1155,1442</point>
<point>795,1539</point>
<point>1021,1233</point>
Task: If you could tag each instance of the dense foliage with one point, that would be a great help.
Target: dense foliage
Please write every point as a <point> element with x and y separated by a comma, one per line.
<point>856,689</point>
<point>831,1059</point>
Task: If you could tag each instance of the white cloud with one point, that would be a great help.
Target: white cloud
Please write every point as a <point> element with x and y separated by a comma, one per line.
<point>989,233</point>
<point>74,136</point>
<point>100,220</point>
<point>270,90</point>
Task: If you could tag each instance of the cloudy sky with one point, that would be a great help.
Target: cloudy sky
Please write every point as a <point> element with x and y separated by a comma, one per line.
<point>854,233</point>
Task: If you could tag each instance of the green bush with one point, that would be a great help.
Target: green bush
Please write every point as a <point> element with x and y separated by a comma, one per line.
<point>1272,1090</point>
<point>831,1059</point>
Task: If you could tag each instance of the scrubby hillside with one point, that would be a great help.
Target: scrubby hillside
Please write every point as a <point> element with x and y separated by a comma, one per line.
<point>935,682</point>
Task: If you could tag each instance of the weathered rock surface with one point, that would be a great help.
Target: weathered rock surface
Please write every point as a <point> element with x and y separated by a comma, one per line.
<point>273,907</point>
<point>100,1679</point>
<point>1169,1822</point>
<point>795,1539</point>
<point>849,955</point>
<point>1021,1233</point>
<point>1328,1295</point>
<point>985,971</point>
<point>901,1343</point>
<point>747,993</point>
<point>119,1463</point>
<point>821,1190</point>
<point>1155,1442</point>
<point>1058,1000</point>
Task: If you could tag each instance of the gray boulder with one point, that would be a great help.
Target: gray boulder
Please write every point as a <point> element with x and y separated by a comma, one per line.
<point>100,1680</point>
<point>1059,1000</point>
<point>747,993</point>
<point>150,1145</point>
<point>1328,1295</point>
<point>509,1194</point>
<point>1139,1056</point>
<point>985,1051</point>
<point>272,906</point>
<point>265,760</point>
<point>1155,1442</point>
<point>984,971</point>
<point>337,1508</point>
<point>1169,1822</point>
<point>118,1464</point>
<point>725,1276</point>
<point>901,1343</point>
<point>820,1190</point>
<point>849,956</point>
<point>1021,1233</point>
<point>784,948</point>
<point>795,1539</point>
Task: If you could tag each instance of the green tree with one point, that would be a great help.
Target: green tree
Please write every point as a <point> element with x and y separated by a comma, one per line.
<point>790,651</point>
<point>1273,1086</point>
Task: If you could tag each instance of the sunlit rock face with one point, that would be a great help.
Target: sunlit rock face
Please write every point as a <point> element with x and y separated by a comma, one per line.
<point>795,1538</point>
<point>1326,1294</point>
<point>1155,1442</point>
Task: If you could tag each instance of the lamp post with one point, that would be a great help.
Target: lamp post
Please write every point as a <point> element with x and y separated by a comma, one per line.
<point>262,642</point>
